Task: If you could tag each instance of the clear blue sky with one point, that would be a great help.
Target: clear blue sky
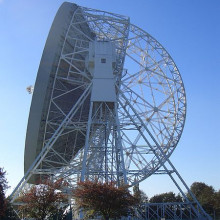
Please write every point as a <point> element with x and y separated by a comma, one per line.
<point>188,29</point>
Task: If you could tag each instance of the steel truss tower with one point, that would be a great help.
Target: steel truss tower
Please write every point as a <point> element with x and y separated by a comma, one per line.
<point>108,104</point>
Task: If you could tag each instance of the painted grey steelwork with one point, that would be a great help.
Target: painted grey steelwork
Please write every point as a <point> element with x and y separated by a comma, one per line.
<point>108,104</point>
<point>167,211</point>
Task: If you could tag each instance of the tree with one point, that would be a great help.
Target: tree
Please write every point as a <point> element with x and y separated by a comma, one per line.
<point>6,210</point>
<point>9,212</point>
<point>44,200</point>
<point>205,195</point>
<point>166,197</point>
<point>140,195</point>
<point>3,187</point>
<point>104,199</point>
<point>217,204</point>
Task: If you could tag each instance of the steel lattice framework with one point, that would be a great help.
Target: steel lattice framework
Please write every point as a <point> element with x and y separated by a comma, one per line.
<point>126,140</point>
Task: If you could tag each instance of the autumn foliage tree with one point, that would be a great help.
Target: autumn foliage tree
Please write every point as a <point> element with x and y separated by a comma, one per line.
<point>43,200</point>
<point>104,199</point>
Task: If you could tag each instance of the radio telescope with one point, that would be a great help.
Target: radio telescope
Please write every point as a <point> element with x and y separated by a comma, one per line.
<point>108,103</point>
